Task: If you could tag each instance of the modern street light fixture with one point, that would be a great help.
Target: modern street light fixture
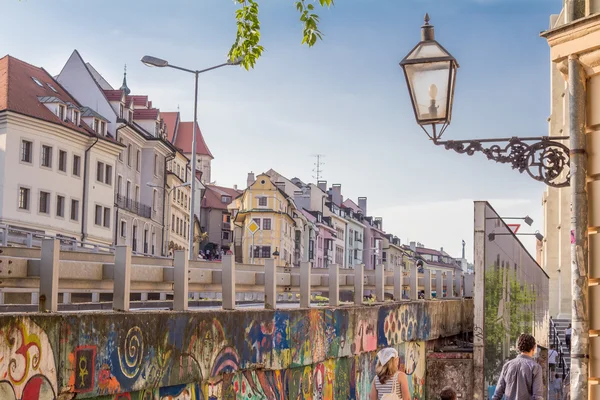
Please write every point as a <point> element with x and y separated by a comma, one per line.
<point>538,235</point>
<point>527,219</point>
<point>159,62</point>
<point>430,72</point>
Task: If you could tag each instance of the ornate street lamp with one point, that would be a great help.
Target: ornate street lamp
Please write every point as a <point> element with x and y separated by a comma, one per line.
<point>430,72</point>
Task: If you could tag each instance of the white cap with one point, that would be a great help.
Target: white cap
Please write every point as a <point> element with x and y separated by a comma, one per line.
<point>386,355</point>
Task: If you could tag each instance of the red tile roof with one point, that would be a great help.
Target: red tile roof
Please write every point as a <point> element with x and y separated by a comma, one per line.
<point>19,93</point>
<point>213,195</point>
<point>113,95</point>
<point>183,139</point>
<point>140,100</point>
<point>171,119</point>
<point>141,113</point>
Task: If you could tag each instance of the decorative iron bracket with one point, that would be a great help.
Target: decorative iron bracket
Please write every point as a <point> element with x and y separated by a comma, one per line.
<point>546,160</point>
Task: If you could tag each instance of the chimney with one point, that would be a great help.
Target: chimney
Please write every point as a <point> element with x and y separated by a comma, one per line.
<point>251,179</point>
<point>362,204</point>
<point>322,185</point>
<point>234,187</point>
<point>336,194</point>
<point>379,222</point>
<point>413,246</point>
<point>441,249</point>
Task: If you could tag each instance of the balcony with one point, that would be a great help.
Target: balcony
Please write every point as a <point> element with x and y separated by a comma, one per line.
<point>138,208</point>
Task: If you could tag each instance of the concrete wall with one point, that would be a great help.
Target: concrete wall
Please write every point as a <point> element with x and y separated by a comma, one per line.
<point>450,369</point>
<point>251,354</point>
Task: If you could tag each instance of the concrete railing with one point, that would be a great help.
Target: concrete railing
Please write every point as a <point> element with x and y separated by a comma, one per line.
<point>48,271</point>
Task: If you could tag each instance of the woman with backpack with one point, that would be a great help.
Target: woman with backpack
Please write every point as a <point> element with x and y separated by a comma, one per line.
<point>390,383</point>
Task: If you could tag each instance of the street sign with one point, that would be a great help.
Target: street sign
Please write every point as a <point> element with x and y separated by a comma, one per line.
<point>514,228</point>
<point>253,227</point>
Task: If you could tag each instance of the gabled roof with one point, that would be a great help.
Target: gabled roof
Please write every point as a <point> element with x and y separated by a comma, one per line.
<point>183,139</point>
<point>141,113</point>
<point>20,93</point>
<point>88,112</point>
<point>140,100</point>
<point>348,203</point>
<point>213,196</point>
<point>113,95</point>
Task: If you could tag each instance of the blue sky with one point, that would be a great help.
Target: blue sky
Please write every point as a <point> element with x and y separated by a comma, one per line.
<point>345,98</point>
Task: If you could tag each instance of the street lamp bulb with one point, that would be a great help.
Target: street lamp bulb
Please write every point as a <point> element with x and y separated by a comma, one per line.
<point>433,91</point>
<point>150,61</point>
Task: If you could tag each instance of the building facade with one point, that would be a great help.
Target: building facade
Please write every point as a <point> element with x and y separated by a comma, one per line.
<point>64,155</point>
<point>393,255</point>
<point>178,203</point>
<point>216,217</point>
<point>355,231</point>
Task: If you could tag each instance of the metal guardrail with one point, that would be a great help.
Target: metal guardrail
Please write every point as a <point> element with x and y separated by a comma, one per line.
<point>10,236</point>
<point>134,206</point>
<point>49,271</point>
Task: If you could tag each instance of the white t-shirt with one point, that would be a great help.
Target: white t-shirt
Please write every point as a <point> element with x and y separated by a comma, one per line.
<point>552,356</point>
<point>568,331</point>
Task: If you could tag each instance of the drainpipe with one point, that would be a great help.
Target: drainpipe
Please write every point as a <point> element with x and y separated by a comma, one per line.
<point>166,197</point>
<point>115,180</point>
<point>579,231</point>
<point>84,195</point>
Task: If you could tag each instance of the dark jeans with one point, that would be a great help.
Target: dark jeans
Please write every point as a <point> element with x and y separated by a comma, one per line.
<point>568,341</point>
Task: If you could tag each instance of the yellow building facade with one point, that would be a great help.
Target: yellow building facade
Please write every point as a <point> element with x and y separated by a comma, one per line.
<point>265,206</point>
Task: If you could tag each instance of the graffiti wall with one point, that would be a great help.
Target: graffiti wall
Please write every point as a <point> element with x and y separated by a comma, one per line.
<point>319,353</point>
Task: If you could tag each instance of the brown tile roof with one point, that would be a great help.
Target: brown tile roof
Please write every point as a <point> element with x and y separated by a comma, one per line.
<point>183,139</point>
<point>213,193</point>
<point>141,113</point>
<point>140,100</point>
<point>113,95</point>
<point>20,93</point>
<point>171,119</point>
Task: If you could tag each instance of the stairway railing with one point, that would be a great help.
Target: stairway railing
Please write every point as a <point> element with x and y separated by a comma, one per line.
<point>558,347</point>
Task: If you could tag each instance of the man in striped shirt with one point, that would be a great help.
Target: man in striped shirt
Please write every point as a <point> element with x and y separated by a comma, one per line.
<point>521,378</point>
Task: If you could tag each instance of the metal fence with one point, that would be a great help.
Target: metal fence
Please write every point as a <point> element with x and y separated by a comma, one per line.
<point>49,271</point>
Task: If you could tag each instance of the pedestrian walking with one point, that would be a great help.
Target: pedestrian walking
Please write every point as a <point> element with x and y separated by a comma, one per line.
<point>552,355</point>
<point>556,388</point>
<point>568,333</point>
<point>521,377</point>
<point>448,393</point>
<point>389,383</point>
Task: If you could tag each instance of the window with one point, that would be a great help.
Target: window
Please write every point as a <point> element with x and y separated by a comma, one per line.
<point>26,151</point>
<point>351,237</point>
<point>103,127</point>
<point>266,224</point>
<point>62,161</point>
<point>178,226</point>
<point>74,210</point>
<point>266,252</point>
<point>46,156</point>
<point>225,235</point>
<point>37,81</point>
<point>119,184</point>
<point>24,195</point>
<point>121,153</point>
<point>52,88</point>
<point>44,206</point>
<point>384,256</point>
<point>138,160</point>
<point>174,195</point>
<point>226,199</point>
<point>108,175</point>
<point>100,172</point>
<point>123,228</point>
<point>256,252</point>
<point>121,110</point>
<point>106,217</point>
<point>60,206</point>
<point>172,222</point>
<point>137,193</point>
<point>98,216</point>
<point>76,165</point>
<point>339,255</point>
<point>156,164</point>
<point>61,112</point>
<point>129,155</point>
<point>96,125</point>
<point>76,117</point>
<point>154,200</point>
<point>262,201</point>
<point>257,220</point>
<point>128,190</point>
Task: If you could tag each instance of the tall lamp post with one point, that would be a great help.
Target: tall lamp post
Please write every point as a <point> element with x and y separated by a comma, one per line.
<point>158,62</point>
<point>168,198</point>
<point>430,72</point>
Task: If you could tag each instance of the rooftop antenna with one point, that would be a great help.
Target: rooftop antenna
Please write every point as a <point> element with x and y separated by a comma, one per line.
<point>318,163</point>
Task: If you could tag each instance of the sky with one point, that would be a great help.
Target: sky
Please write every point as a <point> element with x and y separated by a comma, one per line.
<point>345,98</point>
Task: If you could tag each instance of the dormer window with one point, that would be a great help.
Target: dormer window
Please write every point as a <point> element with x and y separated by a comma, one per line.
<point>121,110</point>
<point>52,88</point>
<point>37,81</point>
<point>226,199</point>
<point>61,112</point>
<point>76,117</point>
<point>96,125</point>
<point>102,128</point>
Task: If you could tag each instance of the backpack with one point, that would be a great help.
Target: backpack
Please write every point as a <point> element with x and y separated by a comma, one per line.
<point>393,395</point>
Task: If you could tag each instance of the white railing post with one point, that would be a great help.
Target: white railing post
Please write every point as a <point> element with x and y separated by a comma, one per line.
<point>439,284</point>
<point>162,296</point>
<point>305,277</point>
<point>380,283</point>
<point>398,275</point>
<point>49,267</point>
<point>35,298</point>
<point>95,297</point>
<point>334,285</point>
<point>144,296</point>
<point>359,283</point>
<point>450,284</point>
<point>414,282</point>
<point>469,285</point>
<point>427,284</point>
<point>228,282</point>
<point>270,284</point>
<point>180,281</point>
<point>1,297</point>
<point>458,283</point>
<point>122,278</point>
<point>66,298</point>
<point>73,245</point>
<point>29,242</point>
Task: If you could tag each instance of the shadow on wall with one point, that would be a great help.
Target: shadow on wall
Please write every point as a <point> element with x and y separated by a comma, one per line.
<point>301,354</point>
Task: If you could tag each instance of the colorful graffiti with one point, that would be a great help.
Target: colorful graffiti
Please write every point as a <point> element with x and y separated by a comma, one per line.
<point>27,366</point>
<point>321,353</point>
